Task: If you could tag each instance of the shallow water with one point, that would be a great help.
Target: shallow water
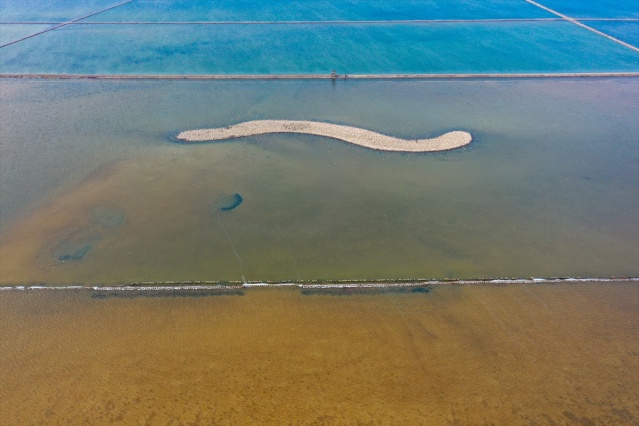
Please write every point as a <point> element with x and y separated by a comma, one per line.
<point>50,10</point>
<point>521,354</point>
<point>595,9</point>
<point>271,10</point>
<point>93,190</point>
<point>109,42</point>
<point>624,31</point>
<point>318,10</point>
<point>9,33</point>
<point>505,47</point>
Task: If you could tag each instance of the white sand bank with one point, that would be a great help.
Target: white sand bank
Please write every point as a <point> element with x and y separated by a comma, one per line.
<point>354,135</point>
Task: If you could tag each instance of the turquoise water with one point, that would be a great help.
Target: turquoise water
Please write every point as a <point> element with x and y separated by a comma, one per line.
<point>511,47</point>
<point>9,33</point>
<point>323,10</point>
<point>595,9</point>
<point>624,31</point>
<point>352,49</point>
<point>548,188</point>
<point>50,10</point>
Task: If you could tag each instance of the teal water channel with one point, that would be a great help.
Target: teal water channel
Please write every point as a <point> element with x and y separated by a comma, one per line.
<point>12,32</point>
<point>323,10</point>
<point>51,10</point>
<point>594,9</point>
<point>505,47</point>
<point>627,31</point>
<point>268,10</point>
<point>311,37</point>
<point>93,190</point>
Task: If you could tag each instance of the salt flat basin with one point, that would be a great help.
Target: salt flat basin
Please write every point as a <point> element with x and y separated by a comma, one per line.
<point>350,134</point>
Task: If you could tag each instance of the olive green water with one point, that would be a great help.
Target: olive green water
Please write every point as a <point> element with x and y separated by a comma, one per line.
<point>94,191</point>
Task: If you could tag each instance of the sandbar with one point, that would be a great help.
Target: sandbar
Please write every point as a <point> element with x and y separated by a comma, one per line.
<point>354,135</point>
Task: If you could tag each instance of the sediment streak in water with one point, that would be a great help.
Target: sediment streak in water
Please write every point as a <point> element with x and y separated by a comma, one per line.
<point>354,135</point>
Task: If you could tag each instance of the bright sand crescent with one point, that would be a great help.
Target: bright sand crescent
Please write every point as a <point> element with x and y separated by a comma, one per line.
<point>354,135</point>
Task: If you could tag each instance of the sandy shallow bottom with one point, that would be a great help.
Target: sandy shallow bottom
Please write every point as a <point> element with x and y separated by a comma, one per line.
<point>157,218</point>
<point>93,191</point>
<point>519,354</point>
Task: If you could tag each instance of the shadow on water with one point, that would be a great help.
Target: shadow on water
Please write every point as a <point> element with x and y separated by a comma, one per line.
<point>129,294</point>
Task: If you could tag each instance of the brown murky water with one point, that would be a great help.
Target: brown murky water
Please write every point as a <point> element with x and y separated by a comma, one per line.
<point>518,354</point>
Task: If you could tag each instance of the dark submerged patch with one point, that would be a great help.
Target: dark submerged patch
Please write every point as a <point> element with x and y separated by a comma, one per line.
<point>230,202</point>
<point>131,294</point>
<point>108,217</point>
<point>351,291</point>
<point>74,254</point>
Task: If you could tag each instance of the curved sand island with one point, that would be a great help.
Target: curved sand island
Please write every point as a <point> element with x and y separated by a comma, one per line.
<point>354,135</point>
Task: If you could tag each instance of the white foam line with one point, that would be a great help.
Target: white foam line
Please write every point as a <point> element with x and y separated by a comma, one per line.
<point>121,288</point>
<point>472,282</point>
<point>574,21</point>
<point>363,285</point>
<point>165,287</point>
<point>249,285</point>
<point>43,287</point>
